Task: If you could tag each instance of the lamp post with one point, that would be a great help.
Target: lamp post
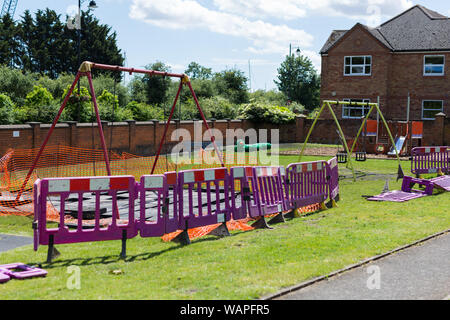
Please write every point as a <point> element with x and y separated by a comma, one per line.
<point>290,49</point>
<point>92,5</point>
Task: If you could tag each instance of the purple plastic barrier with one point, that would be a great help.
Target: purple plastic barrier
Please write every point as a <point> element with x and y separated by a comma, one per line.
<point>62,188</point>
<point>21,271</point>
<point>442,182</point>
<point>306,184</point>
<point>333,179</point>
<point>267,183</point>
<point>163,218</point>
<point>242,202</point>
<point>409,182</point>
<point>397,196</point>
<point>4,277</point>
<point>430,160</point>
<point>208,207</point>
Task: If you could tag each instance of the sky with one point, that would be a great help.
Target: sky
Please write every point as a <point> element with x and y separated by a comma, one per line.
<point>253,36</point>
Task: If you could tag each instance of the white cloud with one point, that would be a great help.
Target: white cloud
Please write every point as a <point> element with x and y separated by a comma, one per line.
<point>189,14</point>
<point>293,9</point>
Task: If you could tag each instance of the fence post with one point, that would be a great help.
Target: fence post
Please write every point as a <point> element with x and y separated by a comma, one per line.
<point>440,129</point>
<point>300,127</point>
<point>131,136</point>
<point>73,132</point>
<point>35,133</point>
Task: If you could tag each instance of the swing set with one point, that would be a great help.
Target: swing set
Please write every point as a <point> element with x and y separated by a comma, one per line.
<point>373,106</point>
<point>85,71</point>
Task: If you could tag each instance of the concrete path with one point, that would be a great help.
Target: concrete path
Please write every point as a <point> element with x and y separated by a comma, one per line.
<point>9,242</point>
<point>421,272</point>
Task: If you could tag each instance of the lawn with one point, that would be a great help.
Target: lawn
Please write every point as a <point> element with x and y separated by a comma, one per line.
<point>246,265</point>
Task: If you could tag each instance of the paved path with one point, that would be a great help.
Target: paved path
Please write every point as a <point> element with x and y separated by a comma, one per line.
<point>416,273</point>
<point>9,242</point>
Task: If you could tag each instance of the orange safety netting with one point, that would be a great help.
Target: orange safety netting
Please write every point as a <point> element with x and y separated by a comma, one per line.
<point>63,161</point>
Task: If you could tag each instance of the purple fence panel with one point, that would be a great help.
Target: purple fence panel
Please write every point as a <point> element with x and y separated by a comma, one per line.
<point>87,196</point>
<point>4,277</point>
<point>409,182</point>
<point>21,271</point>
<point>306,184</point>
<point>242,202</point>
<point>333,178</point>
<point>37,209</point>
<point>156,217</point>
<point>203,197</point>
<point>442,182</point>
<point>430,160</point>
<point>268,190</point>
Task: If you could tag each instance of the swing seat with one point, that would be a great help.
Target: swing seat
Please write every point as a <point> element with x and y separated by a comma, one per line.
<point>341,157</point>
<point>361,156</point>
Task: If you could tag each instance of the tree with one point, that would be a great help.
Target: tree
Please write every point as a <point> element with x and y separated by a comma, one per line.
<point>196,71</point>
<point>6,109</point>
<point>298,80</point>
<point>156,87</point>
<point>232,84</point>
<point>9,42</point>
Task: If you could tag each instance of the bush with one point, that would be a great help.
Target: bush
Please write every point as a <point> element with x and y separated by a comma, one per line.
<point>263,112</point>
<point>109,110</point>
<point>144,112</point>
<point>7,109</point>
<point>86,113</point>
<point>219,108</point>
<point>16,83</point>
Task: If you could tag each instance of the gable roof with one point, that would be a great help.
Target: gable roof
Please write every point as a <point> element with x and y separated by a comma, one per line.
<point>416,29</point>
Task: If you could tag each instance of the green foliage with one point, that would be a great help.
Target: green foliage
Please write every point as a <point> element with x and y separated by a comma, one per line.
<point>232,84</point>
<point>298,80</point>
<point>271,96</point>
<point>39,106</point>
<point>297,108</point>
<point>219,108</point>
<point>109,109</point>
<point>145,112</point>
<point>44,44</point>
<point>6,109</point>
<point>79,107</point>
<point>198,72</point>
<point>264,112</point>
<point>16,83</point>
<point>156,87</point>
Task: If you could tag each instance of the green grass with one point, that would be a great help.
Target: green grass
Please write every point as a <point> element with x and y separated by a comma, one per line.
<point>246,265</point>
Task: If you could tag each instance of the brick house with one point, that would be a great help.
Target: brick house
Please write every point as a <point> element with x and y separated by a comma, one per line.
<point>407,55</point>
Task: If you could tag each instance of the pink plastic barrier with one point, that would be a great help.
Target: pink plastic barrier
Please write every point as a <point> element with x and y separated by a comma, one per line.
<point>211,204</point>
<point>333,179</point>
<point>61,188</point>
<point>242,200</point>
<point>157,217</point>
<point>306,184</point>
<point>4,277</point>
<point>267,185</point>
<point>430,160</point>
<point>21,271</point>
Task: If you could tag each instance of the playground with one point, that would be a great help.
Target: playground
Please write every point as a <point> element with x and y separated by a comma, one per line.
<point>152,228</point>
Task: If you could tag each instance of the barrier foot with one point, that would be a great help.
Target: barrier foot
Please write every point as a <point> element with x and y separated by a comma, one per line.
<point>182,238</point>
<point>291,214</point>
<point>261,223</point>
<point>52,253</point>
<point>323,206</point>
<point>220,231</point>
<point>279,218</point>
<point>331,204</point>
<point>123,253</point>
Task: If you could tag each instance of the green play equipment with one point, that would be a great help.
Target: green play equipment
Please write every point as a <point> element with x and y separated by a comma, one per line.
<point>241,146</point>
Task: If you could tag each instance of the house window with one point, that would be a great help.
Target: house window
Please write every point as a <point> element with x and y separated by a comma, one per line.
<point>430,108</point>
<point>355,111</point>
<point>358,66</point>
<point>433,65</point>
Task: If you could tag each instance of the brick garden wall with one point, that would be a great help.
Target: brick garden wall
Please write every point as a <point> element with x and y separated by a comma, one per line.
<point>142,138</point>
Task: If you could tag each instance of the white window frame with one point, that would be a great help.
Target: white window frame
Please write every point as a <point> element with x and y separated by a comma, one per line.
<point>425,65</point>
<point>358,65</point>
<point>348,106</point>
<point>440,110</point>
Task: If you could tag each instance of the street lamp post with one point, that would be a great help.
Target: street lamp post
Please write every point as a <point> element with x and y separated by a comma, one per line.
<point>92,5</point>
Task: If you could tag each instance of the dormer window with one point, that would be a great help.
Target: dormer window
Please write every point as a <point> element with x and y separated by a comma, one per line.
<point>358,66</point>
<point>433,65</point>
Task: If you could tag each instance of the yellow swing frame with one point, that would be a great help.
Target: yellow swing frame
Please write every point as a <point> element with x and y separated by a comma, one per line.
<point>329,104</point>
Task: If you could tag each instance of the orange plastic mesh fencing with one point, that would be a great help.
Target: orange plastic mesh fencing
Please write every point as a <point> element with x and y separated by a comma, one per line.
<point>63,161</point>
<point>195,233</point>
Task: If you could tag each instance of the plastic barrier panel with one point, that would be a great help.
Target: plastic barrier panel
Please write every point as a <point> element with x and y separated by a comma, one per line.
<point>203,197</point>
<point>306,184</point>
<point>21,271</point>
<point>157,216</point>
<point>86,199</point>
<point>242,200</point>
<point>268,190</point>
<point>333,179</point>
<point>430,160</point>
